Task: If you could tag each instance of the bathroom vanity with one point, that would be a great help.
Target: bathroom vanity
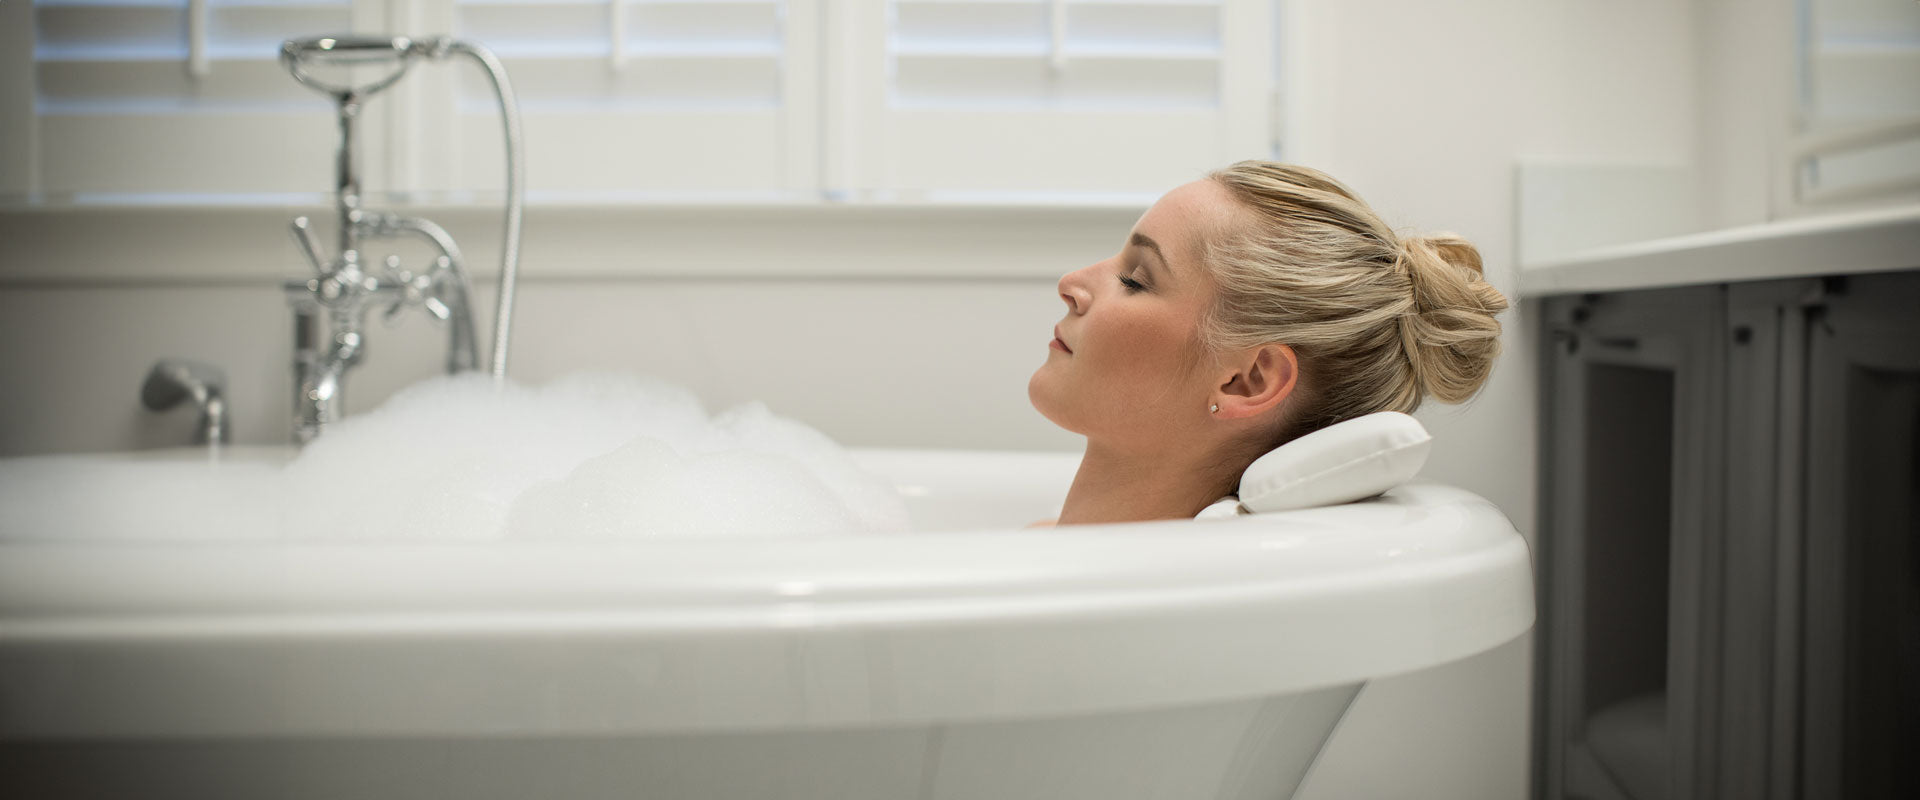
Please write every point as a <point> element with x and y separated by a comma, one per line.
<point>1729,553</point>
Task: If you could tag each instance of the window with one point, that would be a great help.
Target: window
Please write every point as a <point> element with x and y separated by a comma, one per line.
<point>989,96</point>
<point>1859,100</point>
<point>638,96</point>
<point>149,96</point>
<point>868,100</point>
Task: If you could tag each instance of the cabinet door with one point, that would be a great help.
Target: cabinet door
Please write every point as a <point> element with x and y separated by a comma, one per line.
<point>1861,701</point>
<point>1634,437</point>
<point>1757,732</point>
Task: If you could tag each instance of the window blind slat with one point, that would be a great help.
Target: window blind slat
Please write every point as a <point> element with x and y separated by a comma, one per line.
<point>558,53</point>
<point>505,28</point>
<point>706,22</point>
<point>94,29</point>
<point>261,28</point>
<point>578,85</point>
<point>96,56</point>
<point>932,25</point>
<point>684,91</point>
<point>1143,25</point>
<point>1861,61</point>
<point>972,54</point>
<point>186,153</point>
<point>1048,96</point>
<point>106,87</point>
<point>603,3</point>
<point>1866,20</point>
<point>53,4</point>
<point>71,30</point>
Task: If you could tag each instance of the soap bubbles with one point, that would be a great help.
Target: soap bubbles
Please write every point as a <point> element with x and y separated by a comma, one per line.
<point>590,456</point>
<point>645,488</point>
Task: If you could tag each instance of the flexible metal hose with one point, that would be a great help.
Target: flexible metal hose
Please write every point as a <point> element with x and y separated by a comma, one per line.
<point>516,186</point>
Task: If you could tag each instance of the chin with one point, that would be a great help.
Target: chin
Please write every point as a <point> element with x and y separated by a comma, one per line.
<point>1043,401</point>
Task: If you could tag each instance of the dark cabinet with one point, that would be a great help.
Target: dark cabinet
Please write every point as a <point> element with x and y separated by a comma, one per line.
<point>1861,719</point>
<point>1729,553</point>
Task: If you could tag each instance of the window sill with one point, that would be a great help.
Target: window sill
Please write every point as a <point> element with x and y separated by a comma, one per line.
<point>242,240</point>
<point>716,202</point>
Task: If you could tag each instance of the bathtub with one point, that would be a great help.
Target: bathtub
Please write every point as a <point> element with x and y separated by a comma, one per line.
<point>194,656</point>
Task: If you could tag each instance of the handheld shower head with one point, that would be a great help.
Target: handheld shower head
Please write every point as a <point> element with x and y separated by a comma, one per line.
<point>331,64</point>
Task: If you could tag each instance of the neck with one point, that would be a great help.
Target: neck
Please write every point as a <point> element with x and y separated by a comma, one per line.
<point>1117,485</point>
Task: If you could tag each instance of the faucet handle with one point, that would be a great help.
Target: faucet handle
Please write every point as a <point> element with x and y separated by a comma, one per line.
<point>422,290</point>
<point>443,277</point>
<point>309,246</point>
<point>434,284</point>
<point>406,291</point>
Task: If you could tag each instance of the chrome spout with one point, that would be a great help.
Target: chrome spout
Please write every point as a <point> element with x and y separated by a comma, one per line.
<point>173,381</point>
<point>313,396</point>
<point>320,375</point>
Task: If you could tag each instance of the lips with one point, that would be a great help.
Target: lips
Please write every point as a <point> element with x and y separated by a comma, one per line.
<point>1062,343</point>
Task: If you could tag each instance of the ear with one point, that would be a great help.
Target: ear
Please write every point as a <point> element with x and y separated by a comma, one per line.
<point>1266,377</point>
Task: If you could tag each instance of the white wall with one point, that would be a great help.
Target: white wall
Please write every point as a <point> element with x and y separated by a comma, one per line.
<point>1423,107</point>
<point>927,323</point>
<point>1747,99</point>
<point>932,363</point>
<point>905,327</point>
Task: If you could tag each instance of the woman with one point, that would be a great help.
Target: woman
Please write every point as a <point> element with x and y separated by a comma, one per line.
<point>1246,309</point>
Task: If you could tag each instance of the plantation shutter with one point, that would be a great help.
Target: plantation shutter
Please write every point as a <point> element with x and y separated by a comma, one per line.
<point>733,99</point>
<point>635,97</point>
<point>1057,96</point>
<point>150,96</point>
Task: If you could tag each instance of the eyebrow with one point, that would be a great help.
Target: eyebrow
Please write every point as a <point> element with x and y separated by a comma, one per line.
<point>1141,240</point>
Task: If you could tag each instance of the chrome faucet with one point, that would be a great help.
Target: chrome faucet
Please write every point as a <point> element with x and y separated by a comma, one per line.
<point>342,289</point>
<point>173,381</point>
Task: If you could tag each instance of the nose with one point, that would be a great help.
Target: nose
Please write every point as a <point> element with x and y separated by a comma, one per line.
<point>1073,289</point>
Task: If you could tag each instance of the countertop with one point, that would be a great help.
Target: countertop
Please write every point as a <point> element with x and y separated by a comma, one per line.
<point>1879,240</point>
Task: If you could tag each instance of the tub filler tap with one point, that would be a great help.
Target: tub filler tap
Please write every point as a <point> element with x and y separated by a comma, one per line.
<point>173,381</point>
<point>342,288</point>
<point>343,292</point>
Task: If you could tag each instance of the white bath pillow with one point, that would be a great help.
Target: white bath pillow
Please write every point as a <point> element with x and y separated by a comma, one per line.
<point>1224,508</point>
<point>1341,463</point>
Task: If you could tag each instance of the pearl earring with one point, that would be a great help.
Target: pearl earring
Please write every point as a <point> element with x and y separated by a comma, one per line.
<point>1214,408</point>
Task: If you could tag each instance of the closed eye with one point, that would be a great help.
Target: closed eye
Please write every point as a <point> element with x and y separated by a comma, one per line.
<point>1131,284</point>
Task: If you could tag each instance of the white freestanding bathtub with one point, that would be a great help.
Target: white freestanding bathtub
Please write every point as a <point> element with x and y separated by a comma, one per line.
<point>972,659</point>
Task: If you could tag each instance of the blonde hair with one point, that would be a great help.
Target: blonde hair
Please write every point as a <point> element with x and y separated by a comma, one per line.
<point>1378,321</point>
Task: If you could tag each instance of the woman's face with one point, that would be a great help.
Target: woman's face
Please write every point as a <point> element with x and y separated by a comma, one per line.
<point>1131,366</point>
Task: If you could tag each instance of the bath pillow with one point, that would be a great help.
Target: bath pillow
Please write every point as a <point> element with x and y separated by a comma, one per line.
<point>1224,508</point>
<point>1341,463</point>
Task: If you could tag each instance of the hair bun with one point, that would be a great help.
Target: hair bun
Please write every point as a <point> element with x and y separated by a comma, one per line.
<point>1452,337</point>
